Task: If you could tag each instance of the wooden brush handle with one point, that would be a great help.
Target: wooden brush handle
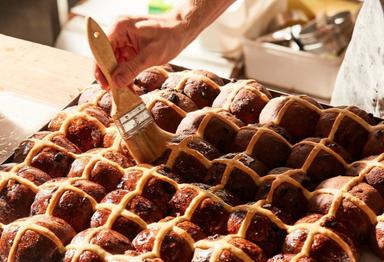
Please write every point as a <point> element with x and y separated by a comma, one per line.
<point>124,98</point>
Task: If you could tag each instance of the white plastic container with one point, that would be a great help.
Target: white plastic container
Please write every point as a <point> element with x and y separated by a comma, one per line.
<point>290,70</point>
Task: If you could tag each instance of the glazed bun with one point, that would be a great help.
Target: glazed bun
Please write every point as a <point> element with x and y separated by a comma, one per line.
<point>36,238</point>
<point>139,205</point>
<point>287,190</point>
<point>18,192</point>
<point>260,230</point>
<point>237,173</point>
<point>209,206</point>
<point>73,200</point>
<point>96,244</point>
<point>202,87</point>
<point>284,111</point>
<point>151,79</point>
<point>319,158</point>
<point>96,95</point>
<point>359,204</point>
<point>175,246</point>
<point>351,130</point>
<point>22,151</point>
<point>104,168</point>
<point>227,248</point>
<point>328,241</point>
<point>84,125</point>
<point>371,170</point>
<point>156,189</point>
<point>189,157</point>
<point>245,99</point>
<point>216,126</point>
<point>168,108</point>
<point>56,162</point>
<point>270,144</point>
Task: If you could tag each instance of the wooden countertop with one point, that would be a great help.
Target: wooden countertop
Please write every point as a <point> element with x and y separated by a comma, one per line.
<point>41,72</point>
<point>36,82</point>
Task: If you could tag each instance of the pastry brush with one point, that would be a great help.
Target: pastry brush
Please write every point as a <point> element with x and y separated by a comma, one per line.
<point>145,140</point>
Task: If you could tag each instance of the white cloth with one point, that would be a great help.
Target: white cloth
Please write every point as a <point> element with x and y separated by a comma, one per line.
<point>360,80</point>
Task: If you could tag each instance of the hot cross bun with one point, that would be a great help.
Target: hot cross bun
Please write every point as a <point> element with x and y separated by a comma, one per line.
<point>297,114</point>
<point>202,87</point>
<point>151,79</point>
<point>35,238</point>
<point>245,99</point>
<point>216,126</point>
<point>18,191</point>
<point>168,108</point>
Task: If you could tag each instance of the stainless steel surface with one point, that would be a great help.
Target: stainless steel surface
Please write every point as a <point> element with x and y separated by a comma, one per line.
<point>286,19</point>
<point>20,117</point>
<point>325,36</point>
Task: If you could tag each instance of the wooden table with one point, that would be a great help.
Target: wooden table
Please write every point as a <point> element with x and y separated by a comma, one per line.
<point>36,82</point>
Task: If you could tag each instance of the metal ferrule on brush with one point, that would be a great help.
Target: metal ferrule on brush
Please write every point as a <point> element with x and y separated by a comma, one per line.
<point>134,120</point>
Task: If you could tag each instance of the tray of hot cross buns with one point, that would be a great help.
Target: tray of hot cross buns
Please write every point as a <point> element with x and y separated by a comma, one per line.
<point>249,175</point>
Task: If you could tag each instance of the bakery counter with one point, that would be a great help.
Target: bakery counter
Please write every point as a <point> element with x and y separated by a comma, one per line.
<point>36,82</point>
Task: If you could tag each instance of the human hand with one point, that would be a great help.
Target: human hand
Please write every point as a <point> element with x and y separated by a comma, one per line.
<point>141,42</point>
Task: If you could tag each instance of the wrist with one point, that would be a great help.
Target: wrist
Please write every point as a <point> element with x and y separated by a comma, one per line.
<point>194,16</point>
<point>181,26</point>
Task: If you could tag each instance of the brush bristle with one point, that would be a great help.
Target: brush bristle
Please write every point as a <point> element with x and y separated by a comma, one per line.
<point>147,145</point>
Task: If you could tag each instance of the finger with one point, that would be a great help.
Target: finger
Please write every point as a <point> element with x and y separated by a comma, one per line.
<point>101,78</point>
<point>126,54</point>
<point>125,72</point>
<point>120,35</point>
<point>124,48</point>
